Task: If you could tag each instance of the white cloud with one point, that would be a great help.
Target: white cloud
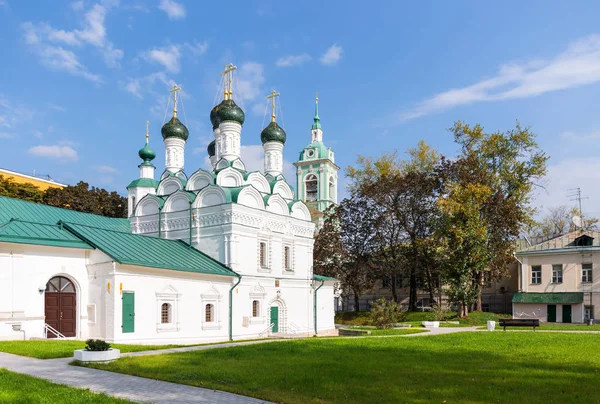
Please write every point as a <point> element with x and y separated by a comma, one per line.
<point>47,42</point>
<point>260,108</point>
<point>197,48</point>
<point>106,169</point>
<point>173,9</point>
<point>580,137</point>
<point>577,66</point>
<point>332,56</point>
<point>249,80</point>
<point>167,56</point>
<point>63,153</point>
<point>7,135</point>
<point>293,60</point>
<point>142,85</point>
<point>567,174</point>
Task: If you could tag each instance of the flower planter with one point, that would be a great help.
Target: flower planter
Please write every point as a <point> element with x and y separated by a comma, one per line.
<point>97,356</point>
<point>433,324</point>
<point>491,325</point>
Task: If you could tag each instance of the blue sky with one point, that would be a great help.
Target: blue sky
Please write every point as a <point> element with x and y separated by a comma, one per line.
<point>80,79</point>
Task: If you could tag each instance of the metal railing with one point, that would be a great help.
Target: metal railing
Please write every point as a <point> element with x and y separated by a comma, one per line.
<point>52,330</point>
<point>266,330</point>
<point>293,328</point>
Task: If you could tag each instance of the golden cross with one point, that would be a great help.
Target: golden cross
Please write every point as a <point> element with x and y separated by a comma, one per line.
<point>228,81</point>
<point>147,135</point>
<point>174,91</point>
<point>272,97</point>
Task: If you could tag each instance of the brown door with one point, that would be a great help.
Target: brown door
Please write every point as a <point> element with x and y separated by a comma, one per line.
<point>60,306</point>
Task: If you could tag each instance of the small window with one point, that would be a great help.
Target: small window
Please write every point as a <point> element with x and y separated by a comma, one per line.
<point>586,273</point>
<point>588,313</point>
<point>255,308</point>
<point>263,254</point>
<point>165,313</point>
<point>286,257</point>
<point>60,284</point>
<point>209,313</point>
<point>557,273</point>
<point>536,274</point>
<point>385,283</point>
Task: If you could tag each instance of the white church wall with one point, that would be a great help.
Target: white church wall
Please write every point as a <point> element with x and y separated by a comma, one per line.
<point>187,294</point>
<point>24,270</point>
<point>325,309</point>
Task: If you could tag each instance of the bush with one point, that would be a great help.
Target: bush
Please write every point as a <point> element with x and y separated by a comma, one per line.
<point>440,313</point>
<point>96,345</point>
<point>384,313</point>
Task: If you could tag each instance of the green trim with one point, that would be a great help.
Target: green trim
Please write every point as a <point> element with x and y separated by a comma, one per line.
<point>143,182</point>
<point>553,297</point>
<point>323,278</point>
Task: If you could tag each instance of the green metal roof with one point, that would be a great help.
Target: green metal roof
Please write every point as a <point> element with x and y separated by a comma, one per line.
<point>154,252</point>
<point>34,212</point>
<point>17,231</point>
<point>323,278</point>
<point>143,182</point>
<point>552,297</point>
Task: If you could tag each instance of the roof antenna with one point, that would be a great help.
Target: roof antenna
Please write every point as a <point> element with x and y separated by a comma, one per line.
<point>575,195</point>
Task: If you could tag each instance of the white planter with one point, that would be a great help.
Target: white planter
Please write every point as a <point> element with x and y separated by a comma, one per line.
<point>97,356</point>
<point>434,324</point>
<point>491,325</point>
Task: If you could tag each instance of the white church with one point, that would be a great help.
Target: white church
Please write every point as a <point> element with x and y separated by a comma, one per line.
<point>219,254</point>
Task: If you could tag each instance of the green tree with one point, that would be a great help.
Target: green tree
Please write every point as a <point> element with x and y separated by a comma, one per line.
<point>26,192</point>
<point>487,205</point>
<point>558,220</point>
<point>82,198</point>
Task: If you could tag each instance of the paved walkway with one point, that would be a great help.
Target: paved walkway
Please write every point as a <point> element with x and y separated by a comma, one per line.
<point>116,384</point>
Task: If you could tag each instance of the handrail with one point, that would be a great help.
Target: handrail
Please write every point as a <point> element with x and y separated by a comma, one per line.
<point>266,330</point>
<point>53,331</point>
<point>294,328</point>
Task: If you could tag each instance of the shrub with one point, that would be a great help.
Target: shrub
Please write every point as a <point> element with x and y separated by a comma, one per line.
<point>440,313</point>
<point>384,313</point>
<point>96,345</point>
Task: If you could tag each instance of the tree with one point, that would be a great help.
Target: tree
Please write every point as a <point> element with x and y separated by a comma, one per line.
<point>559,221</point>
<point>26,191</point>
<point>83,199</point>
<point>345,246</point>
<point>487,204</point>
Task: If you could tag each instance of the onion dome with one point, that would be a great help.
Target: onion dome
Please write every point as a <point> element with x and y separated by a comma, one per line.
<point>211,149</point>
<point>174,128</point>
<point>214,119</point>
<point>273,133</point>
<point>146,153</point>
<point>228,110</point>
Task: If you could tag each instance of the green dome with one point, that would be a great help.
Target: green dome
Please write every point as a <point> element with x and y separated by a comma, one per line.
<point>174,128</point>
<point>315,150</point>
<point>214,118</point>
<point>146,153</point>
<point>228,110</point>
<point>211,149</point>
<point>273,133</point>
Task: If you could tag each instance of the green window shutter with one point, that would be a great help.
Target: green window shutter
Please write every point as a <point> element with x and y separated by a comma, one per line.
<point>128,312</point>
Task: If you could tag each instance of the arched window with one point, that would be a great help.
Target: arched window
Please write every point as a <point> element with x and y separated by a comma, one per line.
<point>209,313</point>
<point>263,254</point>
<point>286,258</point>
<point>255,308</point>
<point>311,188</point>
<point>132,205</point>
<point>165,313</point>
<point>60,284</point>
<point>331,189</point>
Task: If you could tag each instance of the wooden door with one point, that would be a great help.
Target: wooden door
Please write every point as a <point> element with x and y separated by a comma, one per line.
<point>551,313</point>
<point>128,323</point>
<point>60,306</point>
<point>566,312</point>
<point>275,319</point>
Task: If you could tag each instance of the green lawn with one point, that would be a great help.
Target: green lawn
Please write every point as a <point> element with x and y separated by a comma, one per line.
<point>554,327</point>
<point>49,349</point>
<point>16,388</point>
<point>415,318</point>
<point>474,367</point>
<point>392,331</point>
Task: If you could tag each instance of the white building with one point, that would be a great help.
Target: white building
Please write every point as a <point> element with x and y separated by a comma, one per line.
<point>216,255</point>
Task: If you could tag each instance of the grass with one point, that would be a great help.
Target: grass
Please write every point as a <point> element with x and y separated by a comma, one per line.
<point>474,367</point>
<point>392,331</point>
<point>554,327</point>
<point>16,389</point>
<point>50,349</point>
<point>415,318</point>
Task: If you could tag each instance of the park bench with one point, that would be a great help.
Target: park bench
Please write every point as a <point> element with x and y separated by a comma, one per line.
<point>521,322</point>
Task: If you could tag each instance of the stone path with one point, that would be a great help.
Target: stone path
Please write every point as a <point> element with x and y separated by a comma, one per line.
<point>116,384</point>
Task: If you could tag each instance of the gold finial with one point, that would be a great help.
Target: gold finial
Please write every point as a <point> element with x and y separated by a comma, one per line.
<point>174,91</point>
<point>228,81</point>
<point>147,134</point>
<point>272,97</point>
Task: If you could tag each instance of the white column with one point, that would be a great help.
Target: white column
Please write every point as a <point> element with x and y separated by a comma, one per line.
<point>146,171</point>
<point>174,154</point>
<point>230,144</point>
<point>273,158</point>
<point>217,134</point>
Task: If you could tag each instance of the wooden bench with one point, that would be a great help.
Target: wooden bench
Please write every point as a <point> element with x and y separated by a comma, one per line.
<point>521,322</point>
